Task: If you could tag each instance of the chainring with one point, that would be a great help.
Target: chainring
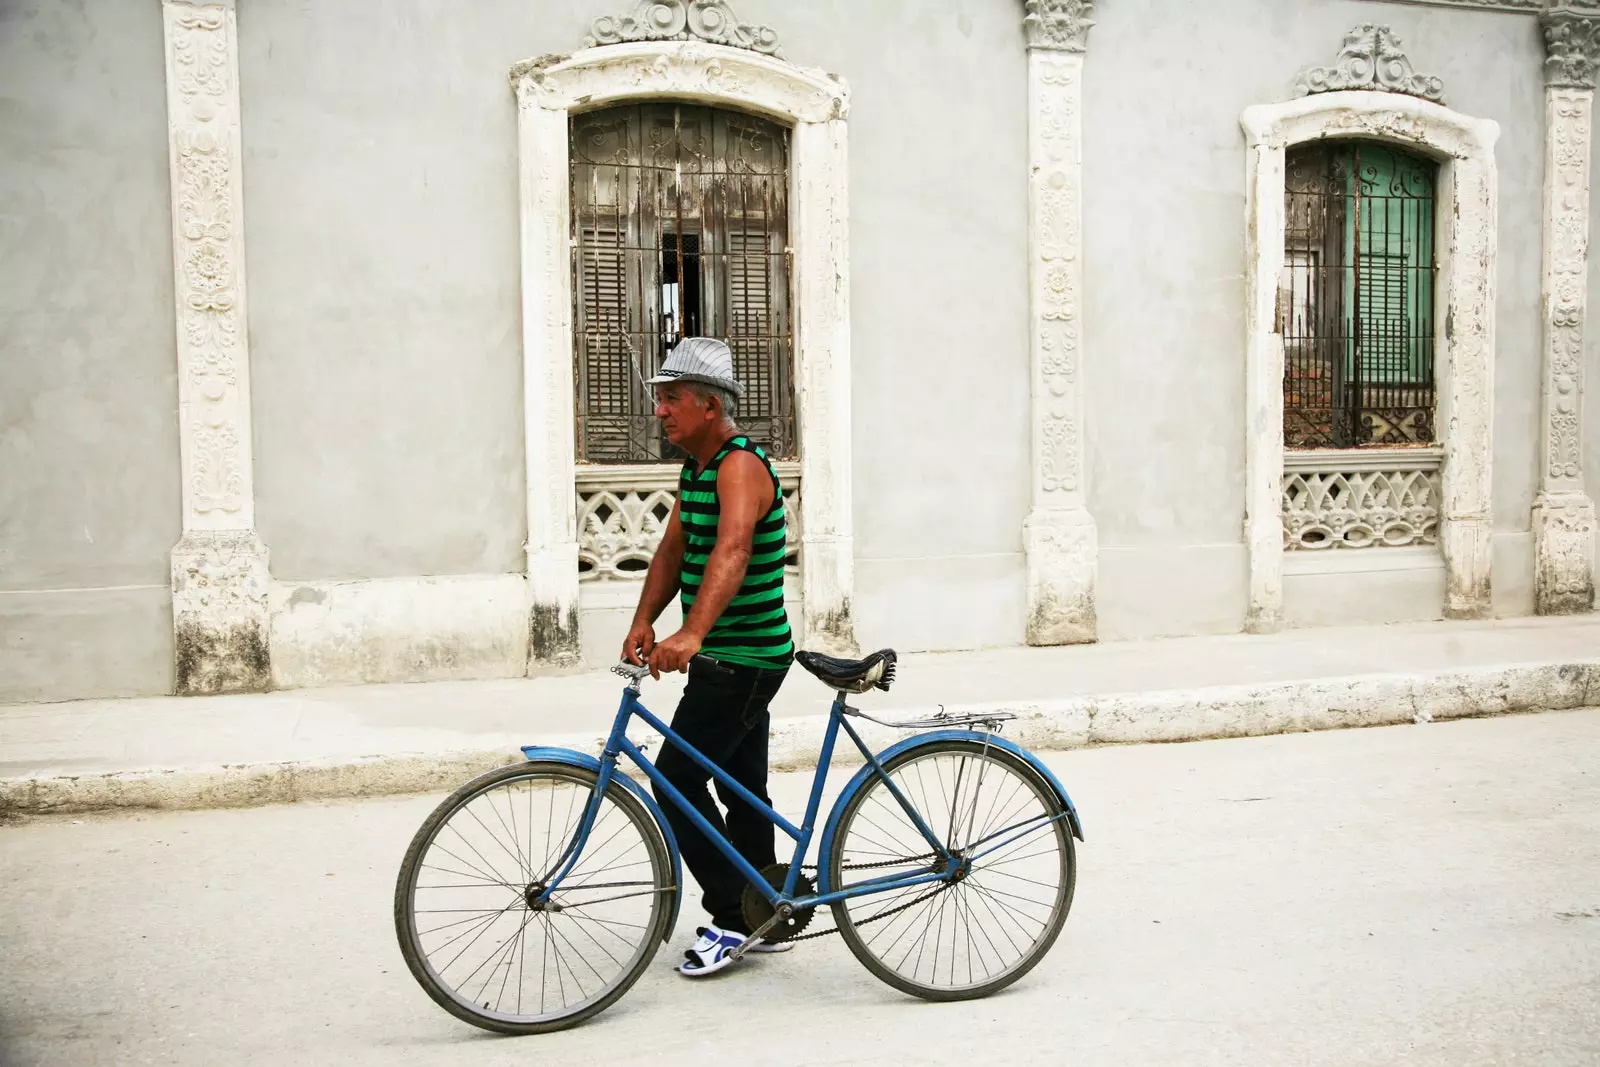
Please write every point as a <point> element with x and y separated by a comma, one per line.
<point>757,909</point>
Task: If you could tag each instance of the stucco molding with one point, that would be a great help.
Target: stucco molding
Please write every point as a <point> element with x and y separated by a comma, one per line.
<point>221,635</point>
<point>712,21</point>
<point>1373,58</point>
<point>1514,7</point>
<point>681,70</point>
<point>814,105</point>
<point>1058,25</point>
<point>1467,228</point>
<point>1572,44</point>
<point>1563,520</point>
<point>1059,534</point>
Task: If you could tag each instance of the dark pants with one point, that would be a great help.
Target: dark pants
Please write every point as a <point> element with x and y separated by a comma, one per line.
<point>723,714</point>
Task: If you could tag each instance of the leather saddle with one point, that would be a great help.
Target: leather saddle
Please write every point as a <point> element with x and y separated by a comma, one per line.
<point>851,675</point>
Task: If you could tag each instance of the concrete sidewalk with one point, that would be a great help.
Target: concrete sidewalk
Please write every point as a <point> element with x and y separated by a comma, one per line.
<point>171,752</point>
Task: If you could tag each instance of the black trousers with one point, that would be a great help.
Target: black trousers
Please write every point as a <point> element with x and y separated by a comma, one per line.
<point>724,713</point>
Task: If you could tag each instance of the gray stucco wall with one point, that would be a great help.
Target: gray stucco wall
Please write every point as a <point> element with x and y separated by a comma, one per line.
<point>939,306</point>
<point>89,494</point>
<point>1164,245</point>
<point>381,191</point>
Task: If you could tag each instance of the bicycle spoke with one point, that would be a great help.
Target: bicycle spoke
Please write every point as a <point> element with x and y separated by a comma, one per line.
<point>974,930</point>
<point>610,902</point>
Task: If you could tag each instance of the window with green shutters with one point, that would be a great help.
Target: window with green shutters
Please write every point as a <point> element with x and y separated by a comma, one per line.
<point>1356,300</point>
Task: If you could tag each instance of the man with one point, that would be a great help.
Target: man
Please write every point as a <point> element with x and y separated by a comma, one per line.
<point>723,549</point>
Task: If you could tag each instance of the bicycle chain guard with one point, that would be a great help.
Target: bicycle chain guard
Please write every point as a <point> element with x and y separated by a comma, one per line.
<point>757,909</point>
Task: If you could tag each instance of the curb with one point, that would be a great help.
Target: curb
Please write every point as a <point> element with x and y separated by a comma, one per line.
<point>1115,718</point>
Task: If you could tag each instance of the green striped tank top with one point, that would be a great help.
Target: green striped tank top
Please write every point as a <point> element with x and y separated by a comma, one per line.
<point>754,629</point>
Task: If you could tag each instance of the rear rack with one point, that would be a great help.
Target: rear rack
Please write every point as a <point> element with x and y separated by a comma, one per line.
<point>944,720</point>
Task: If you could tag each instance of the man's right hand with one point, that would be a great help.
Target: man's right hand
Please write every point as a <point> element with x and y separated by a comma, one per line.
<point>640,642</point>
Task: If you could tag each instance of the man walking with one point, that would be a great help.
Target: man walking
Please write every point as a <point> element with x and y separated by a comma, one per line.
<point>723,552</point>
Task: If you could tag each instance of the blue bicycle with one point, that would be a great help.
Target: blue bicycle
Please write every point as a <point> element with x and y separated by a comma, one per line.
<point>537,894</point>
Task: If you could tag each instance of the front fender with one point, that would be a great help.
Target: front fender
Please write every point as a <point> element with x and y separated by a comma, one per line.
<point>590,763</point>
<point>825,849</point>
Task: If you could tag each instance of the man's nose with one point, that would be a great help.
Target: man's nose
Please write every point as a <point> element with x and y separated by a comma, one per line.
<point>661,410</point>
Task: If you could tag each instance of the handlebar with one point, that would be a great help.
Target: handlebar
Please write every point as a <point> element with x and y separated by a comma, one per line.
<point>638,673</point>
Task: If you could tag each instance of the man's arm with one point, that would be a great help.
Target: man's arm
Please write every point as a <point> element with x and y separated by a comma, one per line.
<point>744,493</point>
<point>660,586</point>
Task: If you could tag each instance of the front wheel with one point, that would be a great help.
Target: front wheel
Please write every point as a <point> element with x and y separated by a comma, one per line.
<point>982,930</point>
<point>468,909</point>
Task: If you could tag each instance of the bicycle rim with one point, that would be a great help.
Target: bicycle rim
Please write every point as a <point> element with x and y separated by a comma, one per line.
<point>996,921</point>
<point>462,902</point>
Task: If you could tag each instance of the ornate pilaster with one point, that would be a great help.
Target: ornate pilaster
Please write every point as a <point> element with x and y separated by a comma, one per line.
<point>219,567</point>
<point>1563,515</point>
<point>1059,534</point>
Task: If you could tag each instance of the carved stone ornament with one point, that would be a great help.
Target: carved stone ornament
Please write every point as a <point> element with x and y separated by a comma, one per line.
<point>1371,58</point>
<point>1571,44</point>
<point>682,20</point>
<point>1058,25</point>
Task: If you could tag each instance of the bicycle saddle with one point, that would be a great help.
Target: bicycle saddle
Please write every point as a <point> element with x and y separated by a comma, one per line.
<point>851,675</point>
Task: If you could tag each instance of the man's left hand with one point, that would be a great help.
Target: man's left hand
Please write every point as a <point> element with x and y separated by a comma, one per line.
<point>674,653</point>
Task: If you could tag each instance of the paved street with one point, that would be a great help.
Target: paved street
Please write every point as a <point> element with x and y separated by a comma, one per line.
<point>1419,895</point>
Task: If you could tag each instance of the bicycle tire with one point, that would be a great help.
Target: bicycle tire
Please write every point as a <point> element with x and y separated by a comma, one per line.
<point>653,931</point>
<point>861,941</point>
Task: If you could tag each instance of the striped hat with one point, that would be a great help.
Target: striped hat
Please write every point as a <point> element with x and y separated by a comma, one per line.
<point>700,359</point>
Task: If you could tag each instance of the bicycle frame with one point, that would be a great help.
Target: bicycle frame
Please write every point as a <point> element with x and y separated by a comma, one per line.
<point>618,744</point>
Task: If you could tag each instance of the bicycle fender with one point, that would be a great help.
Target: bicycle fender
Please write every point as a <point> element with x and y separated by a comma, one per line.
<point>590,763</point>
<point>825,849</point>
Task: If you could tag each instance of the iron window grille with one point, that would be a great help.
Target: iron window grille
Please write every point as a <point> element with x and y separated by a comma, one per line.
<point>1356,299</point>
<point>679,228</point>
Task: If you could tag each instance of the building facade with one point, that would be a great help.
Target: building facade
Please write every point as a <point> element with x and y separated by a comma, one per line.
<point>1066,320</point>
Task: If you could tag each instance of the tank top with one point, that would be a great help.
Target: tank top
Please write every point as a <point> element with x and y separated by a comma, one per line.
<point>753,630</point>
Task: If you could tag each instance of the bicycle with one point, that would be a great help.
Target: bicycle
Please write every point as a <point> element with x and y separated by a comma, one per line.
<point>928,839</point>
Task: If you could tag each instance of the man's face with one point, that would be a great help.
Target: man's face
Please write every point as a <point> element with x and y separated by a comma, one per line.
<point>681,412</point>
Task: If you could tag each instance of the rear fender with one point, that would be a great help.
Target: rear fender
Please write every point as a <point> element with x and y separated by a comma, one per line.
<point>865,774</point>
<point>590,763</point>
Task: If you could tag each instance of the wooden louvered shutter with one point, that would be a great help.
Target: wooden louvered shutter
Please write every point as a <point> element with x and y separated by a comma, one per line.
<point>605,379</point>
<point>750,318</point>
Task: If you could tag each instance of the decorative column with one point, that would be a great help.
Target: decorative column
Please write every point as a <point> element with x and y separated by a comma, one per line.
<point>219,567</point>
<point>1563,516</point>
<point>547,372</point>
<point>1059,534</point>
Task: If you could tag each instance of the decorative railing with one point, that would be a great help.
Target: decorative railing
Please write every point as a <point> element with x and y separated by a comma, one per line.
<point>1361,498</point>
<point>623,510</point>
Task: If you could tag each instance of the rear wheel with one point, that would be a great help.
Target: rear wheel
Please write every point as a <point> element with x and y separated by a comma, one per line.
<point>991,923</point>
<point>467,909</point>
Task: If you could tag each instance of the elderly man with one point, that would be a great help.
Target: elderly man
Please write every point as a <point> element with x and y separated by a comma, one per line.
<point>723,551</point>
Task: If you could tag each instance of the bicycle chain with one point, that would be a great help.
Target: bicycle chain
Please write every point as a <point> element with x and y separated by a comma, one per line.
<point>935,891</point>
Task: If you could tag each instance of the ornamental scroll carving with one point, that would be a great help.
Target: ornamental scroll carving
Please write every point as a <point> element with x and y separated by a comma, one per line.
<point>1572,44</point>
<point>203,117</point>
<point>1567,266</point>
<point>1057,207</point>
<point>1371,58</point>
<point>1058,25</point>
<point>712,21</point>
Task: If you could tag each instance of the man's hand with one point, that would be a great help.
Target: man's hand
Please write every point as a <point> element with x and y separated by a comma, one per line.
<point>639,643</point>
<point>674,654</point>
